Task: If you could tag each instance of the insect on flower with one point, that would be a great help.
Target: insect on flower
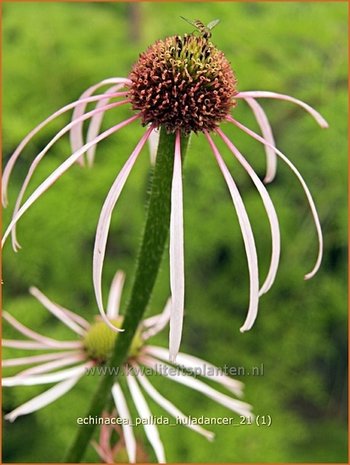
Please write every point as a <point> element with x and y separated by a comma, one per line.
<point>205,30</point>
<point>87,354</point>
<point>183,84</point>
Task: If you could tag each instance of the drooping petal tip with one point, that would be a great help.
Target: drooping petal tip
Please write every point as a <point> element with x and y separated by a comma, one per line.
<point>247,233</point>
<point>176,253</point>
<point>104,221</point>
<point>304,186</point>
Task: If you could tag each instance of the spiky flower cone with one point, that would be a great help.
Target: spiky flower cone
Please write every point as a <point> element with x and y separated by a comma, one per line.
<point>183,83</point>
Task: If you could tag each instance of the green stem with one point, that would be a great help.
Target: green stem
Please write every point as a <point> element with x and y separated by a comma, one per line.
<point>148,264</point>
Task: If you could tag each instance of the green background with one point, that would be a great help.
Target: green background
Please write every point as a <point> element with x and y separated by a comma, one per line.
<point>54,51</point>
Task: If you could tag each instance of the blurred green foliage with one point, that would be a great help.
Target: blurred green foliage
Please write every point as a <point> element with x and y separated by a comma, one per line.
<point>51,53</point>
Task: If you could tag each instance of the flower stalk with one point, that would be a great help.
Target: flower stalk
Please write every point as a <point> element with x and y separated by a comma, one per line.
<point>149,260</point>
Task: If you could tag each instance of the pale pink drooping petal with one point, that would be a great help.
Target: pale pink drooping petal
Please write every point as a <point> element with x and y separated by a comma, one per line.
<point>105,455</point>
<point>270,210</point>
<point>271,158</point>
<point>169,406</point>
<point>265,94</point>
<point>199,366</point>
<point>76,134</point>
<point>40,156</point>
<point>145,413</point>
<point>56,310</point>
<point>104,447</point>
<point>306,190</point>
<point>44,399</point>
<point>248,238</point>
<point>29,345</point>
<point>156,323</point>
<point>104,223</point>
<point>33,335</point>
<point>176,252</point>
<point>115,294</point>
<point>242,408</point>
<point>53,365</point>
<point>12,161</point>
<point>96,121</point>
<point>123,411</point>
<point>75,317</point>
<point>153,142</point>
<point>33,380</point>
<point>106,432</point>
<point>60,171</point>
<point>12,362</point>
<point>152,320</point>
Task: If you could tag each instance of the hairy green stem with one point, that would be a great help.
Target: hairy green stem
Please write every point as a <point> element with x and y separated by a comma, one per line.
<point>148,264</point>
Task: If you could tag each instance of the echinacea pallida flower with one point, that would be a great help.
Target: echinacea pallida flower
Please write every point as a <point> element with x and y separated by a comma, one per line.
<point>89,351</point>
<point>183,84</point>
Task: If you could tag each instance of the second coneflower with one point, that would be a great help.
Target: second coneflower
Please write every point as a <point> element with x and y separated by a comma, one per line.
<point>65,363</point>
<point>183,84</point>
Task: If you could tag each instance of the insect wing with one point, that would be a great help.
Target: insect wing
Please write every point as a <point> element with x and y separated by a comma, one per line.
<point>193,23</point>
<point>213,23</point>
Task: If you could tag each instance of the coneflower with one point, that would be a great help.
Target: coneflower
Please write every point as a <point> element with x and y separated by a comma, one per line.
<point>183,84</point>
<point>90,350</point>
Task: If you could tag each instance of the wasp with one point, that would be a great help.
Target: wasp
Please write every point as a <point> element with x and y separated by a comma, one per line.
<point>205,30</point>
